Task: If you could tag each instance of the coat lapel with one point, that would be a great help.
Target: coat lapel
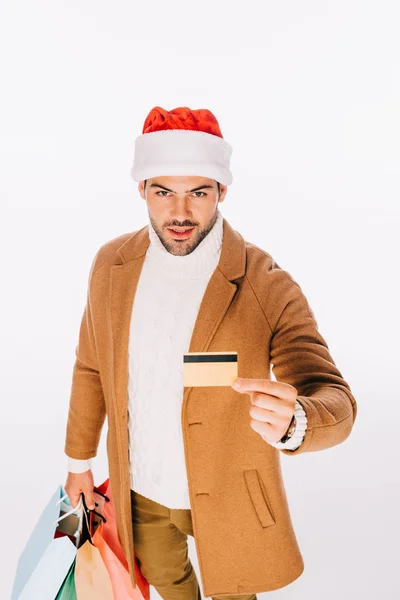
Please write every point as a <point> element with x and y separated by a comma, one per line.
<point>124,278</point>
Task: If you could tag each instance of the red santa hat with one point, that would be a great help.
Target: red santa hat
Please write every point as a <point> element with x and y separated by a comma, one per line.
<point>181,142</point>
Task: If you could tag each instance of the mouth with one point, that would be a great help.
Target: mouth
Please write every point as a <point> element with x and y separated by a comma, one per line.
<point>180,233</point>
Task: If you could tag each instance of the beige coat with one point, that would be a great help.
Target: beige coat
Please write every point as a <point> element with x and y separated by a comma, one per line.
<point>243,532</point>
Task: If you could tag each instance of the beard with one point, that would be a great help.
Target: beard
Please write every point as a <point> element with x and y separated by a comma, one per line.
<point>184,247</point>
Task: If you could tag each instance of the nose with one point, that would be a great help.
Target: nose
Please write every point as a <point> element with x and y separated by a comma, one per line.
<point>180,214</point>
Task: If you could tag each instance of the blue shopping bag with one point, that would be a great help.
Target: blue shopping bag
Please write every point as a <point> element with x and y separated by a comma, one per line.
<point>50,551</point>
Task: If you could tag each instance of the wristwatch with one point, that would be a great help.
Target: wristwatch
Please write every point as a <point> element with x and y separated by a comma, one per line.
<point>290,431</point>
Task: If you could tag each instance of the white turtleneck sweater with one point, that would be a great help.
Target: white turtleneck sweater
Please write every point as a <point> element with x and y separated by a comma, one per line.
<point>168,296</point>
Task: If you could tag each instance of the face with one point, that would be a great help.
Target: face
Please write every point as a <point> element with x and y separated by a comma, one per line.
<point>182,203</point>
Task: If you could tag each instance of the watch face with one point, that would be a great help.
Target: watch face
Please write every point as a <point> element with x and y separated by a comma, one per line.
<point>292,428</point>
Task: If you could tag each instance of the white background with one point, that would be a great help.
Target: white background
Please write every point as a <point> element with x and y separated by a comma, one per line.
<point>308,94</point>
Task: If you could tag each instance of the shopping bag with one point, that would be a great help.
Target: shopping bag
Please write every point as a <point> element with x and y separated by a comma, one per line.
<point>107,540</point>
<point>50,550</point>
<point>90,573</point>
<point>68,590</point>
<point>119,576</point>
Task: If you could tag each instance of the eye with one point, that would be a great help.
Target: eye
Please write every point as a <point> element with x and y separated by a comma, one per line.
<point>163,193</point>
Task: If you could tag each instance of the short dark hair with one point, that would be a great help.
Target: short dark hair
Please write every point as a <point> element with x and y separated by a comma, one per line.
<point>218,186</point>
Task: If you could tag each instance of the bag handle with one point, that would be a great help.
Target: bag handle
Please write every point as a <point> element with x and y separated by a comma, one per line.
<point>81,504</point>
<point>71,512</point>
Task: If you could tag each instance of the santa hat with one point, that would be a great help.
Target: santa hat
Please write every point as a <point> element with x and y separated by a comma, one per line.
<point>181,142</point>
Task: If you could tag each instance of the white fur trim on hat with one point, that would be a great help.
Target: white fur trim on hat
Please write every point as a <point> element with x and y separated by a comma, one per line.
<point>182,152</point>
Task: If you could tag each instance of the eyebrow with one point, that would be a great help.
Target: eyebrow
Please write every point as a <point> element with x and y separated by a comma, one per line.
<point>201,187</point>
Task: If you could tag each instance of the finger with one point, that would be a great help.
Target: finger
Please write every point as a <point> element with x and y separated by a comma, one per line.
<point>267,401</point>
<point>89,498</point>
<point>265,429</point>
<point>74,499</point>
<point>263,415</point>
<point>275,388</point>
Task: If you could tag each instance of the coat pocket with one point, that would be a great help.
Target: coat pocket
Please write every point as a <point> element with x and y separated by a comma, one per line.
<point>258,495</point>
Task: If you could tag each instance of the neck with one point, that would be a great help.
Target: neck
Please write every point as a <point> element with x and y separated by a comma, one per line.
<point>201,261</point>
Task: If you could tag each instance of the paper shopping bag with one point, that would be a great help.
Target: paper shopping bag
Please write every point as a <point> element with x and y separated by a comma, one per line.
<point>91,577</point>
<point>109,534</point>
<point>68,590</point>
<point>49,551</point>
<point>119,576</point>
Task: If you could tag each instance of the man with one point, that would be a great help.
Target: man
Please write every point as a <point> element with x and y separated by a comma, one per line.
<point>200,461</point>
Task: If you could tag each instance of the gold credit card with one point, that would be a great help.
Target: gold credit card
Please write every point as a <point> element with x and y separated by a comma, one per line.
<point>203,369</point>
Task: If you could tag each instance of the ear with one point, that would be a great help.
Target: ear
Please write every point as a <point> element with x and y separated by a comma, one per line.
<point>224,189</point>
<point>141,189</point>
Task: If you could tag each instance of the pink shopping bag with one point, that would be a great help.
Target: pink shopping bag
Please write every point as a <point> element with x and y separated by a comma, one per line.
<point>106,539</point>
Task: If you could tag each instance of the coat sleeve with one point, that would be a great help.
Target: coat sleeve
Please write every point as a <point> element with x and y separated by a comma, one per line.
<point>300,356</point>
<point>87,410</point>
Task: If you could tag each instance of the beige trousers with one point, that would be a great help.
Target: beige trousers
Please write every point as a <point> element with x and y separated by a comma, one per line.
<point>161,548</point>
